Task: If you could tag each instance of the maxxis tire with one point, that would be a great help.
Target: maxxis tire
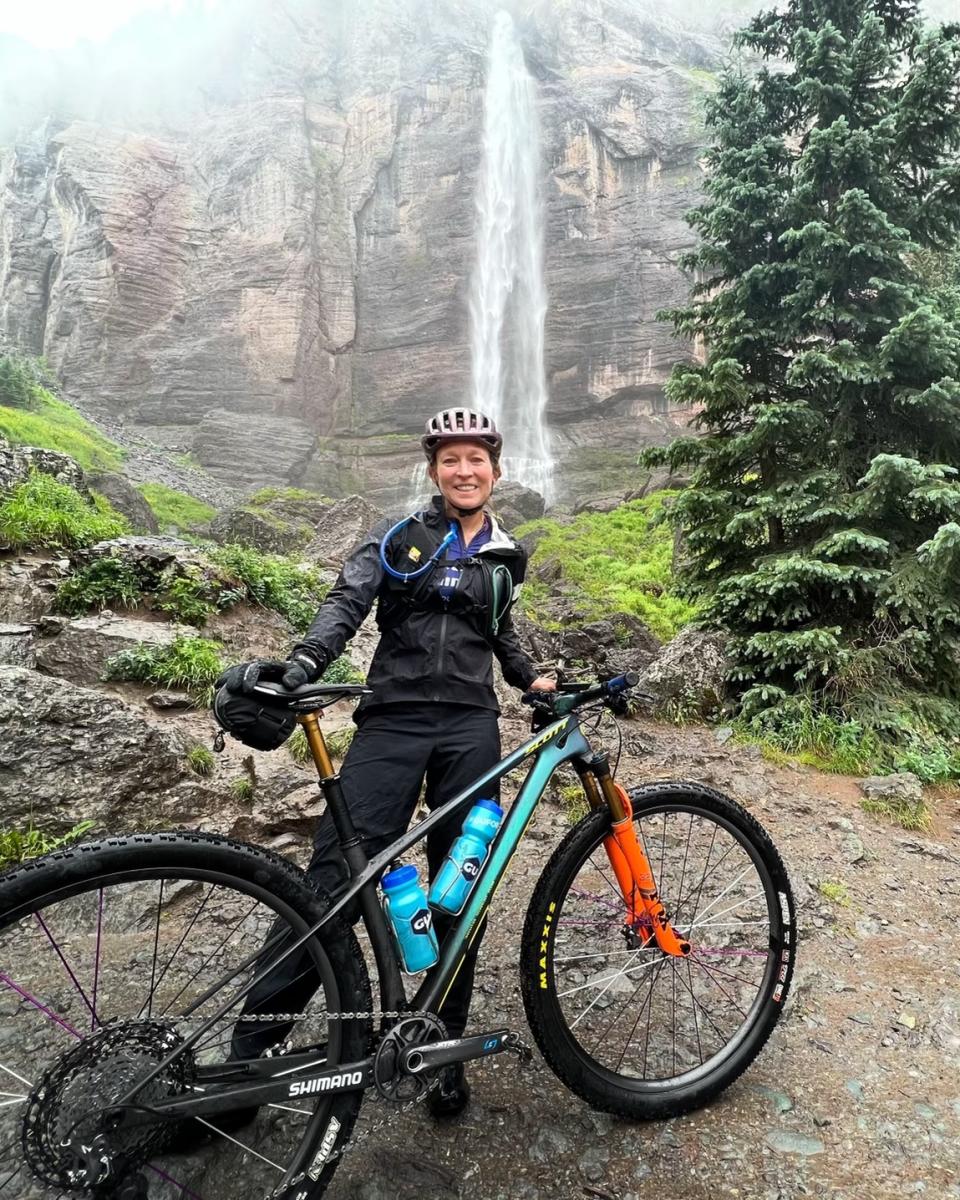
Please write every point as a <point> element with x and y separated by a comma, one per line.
<point>621,1094</point>
<point>259,872</point>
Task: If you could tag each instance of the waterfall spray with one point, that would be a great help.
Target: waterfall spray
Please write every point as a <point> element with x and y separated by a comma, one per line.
<point>508,300</point>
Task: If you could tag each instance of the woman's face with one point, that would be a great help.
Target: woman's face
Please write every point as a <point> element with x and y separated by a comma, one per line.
<point>464,474</point>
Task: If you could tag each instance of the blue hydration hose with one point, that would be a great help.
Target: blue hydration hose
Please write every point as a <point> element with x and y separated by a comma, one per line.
<point>404,576</point>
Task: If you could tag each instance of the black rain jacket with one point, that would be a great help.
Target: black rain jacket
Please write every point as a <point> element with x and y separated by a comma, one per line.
<point>430,648</point>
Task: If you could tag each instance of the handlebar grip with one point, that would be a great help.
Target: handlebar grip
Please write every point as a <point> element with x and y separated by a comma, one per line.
<point>620,683</point>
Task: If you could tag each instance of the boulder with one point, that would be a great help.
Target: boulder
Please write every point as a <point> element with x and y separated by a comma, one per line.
<point>513,504</point>
<point>125,498</point>
<point>78,649</point>
<point>611,646</point>
<point>27,585</point>
<point>340,528</point>
<point>688,676</point>
<point>282,522</point>
<point>70,754</point>
<point>17,462</point>
<point>902,785</point>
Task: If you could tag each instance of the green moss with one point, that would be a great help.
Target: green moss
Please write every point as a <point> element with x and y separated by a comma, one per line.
<point>619,561</point>
<point>54,425</point>
<point>834,890</point>
<point>42,512</point>
<point>273,495</point>
<point>176,511</point>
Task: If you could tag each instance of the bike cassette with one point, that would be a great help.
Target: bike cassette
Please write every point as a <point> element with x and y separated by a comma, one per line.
<point>66,1140</point>
<point>390,1079</point>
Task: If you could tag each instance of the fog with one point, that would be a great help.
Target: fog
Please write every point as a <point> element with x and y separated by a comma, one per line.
<point>166,64</point>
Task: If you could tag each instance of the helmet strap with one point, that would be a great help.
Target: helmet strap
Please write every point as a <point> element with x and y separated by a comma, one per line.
<point>467,512</point>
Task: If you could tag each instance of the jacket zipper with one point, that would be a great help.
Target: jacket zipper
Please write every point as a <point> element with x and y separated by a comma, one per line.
<point>438,670</point>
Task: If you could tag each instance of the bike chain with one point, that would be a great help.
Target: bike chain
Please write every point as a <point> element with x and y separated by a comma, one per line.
<point>391,1107</point>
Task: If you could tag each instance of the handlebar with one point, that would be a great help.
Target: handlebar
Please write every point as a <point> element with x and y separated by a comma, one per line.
<point>566,700</point>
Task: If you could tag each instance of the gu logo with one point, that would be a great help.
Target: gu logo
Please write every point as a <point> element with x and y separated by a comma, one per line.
<point>471,868</point>
<point>421,921</point>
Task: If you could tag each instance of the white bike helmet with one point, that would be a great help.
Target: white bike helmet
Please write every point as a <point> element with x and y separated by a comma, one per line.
<point>461,425</point>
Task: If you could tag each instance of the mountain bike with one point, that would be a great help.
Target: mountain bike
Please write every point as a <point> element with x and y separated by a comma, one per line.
<point>655,957</point>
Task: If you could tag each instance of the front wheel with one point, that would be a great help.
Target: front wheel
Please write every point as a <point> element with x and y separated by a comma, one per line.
<point>630,1029</point>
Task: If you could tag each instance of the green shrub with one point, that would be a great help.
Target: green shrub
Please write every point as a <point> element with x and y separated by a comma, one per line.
<point>189,595</point>
<point>104,583</point>
<point>42,512</point>
<point>292,589</point>
<point>188,662</point>
<point>176,511</point>
<point>18,386</point>
<point>908,814</point>
<point>16,845</point>
<point>54,425</point>
<point>339,741</point>
<point>201,760</point>
<point>342,670</point>
<point>298,747</point>
<point>619,561</point>
<point>242,788</point>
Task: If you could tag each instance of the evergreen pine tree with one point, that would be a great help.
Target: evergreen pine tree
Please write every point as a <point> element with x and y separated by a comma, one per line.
<point>823,520</point>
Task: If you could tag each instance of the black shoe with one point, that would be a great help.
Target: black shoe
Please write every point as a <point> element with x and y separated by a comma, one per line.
<point>451,1095</point>
<point>192,1135</point>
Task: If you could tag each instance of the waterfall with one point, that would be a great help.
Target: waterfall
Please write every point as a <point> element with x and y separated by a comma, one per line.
<point>508,299</point>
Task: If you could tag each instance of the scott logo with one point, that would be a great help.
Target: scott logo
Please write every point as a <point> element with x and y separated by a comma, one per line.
<point>421,921</point>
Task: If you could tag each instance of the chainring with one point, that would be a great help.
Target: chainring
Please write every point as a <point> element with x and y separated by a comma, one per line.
<point>64,1112</point>
<point>389,1080</point>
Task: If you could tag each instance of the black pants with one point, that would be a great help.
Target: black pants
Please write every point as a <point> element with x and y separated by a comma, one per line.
<point>395,749</point>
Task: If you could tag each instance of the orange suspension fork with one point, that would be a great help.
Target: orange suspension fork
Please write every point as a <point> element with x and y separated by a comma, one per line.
<point>632,869</point>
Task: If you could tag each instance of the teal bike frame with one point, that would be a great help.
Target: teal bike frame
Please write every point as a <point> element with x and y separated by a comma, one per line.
<point>558,742</point>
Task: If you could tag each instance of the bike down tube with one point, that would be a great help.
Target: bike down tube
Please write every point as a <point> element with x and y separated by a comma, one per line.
<point>372,871</point>
<point>557,744</point>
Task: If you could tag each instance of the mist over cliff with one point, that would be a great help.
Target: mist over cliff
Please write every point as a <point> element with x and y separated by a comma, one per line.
<point>247,231</point>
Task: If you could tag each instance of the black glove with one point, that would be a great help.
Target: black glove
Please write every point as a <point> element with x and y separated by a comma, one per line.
<point>301,668</point>
<point>298,669</point>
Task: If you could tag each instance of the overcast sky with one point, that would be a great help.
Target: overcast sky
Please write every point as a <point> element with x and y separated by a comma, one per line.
<point>55,23</point>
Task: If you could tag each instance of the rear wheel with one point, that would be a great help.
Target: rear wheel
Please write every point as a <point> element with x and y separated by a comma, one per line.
<point>107,952</point>
<point>630,1029</point>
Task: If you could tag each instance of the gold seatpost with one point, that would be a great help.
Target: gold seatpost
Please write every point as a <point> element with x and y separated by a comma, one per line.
<point>317,743</point>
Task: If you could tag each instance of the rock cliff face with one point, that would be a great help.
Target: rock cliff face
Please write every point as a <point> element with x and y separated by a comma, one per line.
<point>271,272</point>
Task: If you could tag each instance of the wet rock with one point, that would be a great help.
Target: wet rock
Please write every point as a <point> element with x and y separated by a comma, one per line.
<point>339,528</point>
<point>17,463</point>
<point>167,701</point>
<point>276,521</point>
<point>512,503</point>
<point>688,675</point>
<point>79,652</point>
<point>125,498</point>
<point>783,1141</point>
<point>71,753</point>
<point>903,785</point>
<point>16,645</point>
<point>548,1142</point>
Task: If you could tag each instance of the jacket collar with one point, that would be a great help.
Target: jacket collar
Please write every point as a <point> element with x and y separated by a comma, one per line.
<point>499,539</point>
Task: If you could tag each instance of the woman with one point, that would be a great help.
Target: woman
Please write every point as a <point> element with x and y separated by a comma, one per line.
<point>432,715</point>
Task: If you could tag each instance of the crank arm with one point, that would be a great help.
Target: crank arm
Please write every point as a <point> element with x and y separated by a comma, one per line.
<point>434,1055</point>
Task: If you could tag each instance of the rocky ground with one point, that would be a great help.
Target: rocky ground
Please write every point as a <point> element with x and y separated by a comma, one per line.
<point>857,1094</point>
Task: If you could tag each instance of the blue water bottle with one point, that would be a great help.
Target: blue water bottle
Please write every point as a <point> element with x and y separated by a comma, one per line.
<point>455,879</point>
<point>405,903</point>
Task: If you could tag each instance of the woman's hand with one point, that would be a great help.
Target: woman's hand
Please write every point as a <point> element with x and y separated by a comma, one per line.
<point>543,683</point>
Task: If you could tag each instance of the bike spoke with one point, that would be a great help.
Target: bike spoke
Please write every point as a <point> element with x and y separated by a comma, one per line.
<point>66,966</point>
